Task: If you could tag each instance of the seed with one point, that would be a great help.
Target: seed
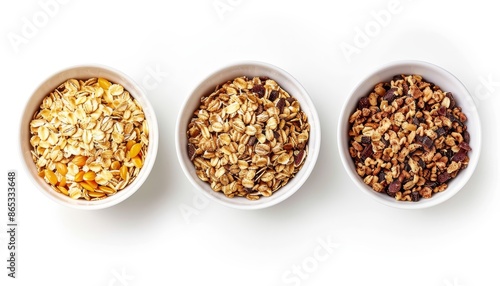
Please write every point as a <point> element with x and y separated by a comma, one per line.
<point>41,174</point>
<point>123,172</point>
<point>137,161</point>
<point>87,186</point>
<point>134,150</point>
<point>79,176</point>
<point>51,177</point>
<point>79,160</point>
<point>61,168</point>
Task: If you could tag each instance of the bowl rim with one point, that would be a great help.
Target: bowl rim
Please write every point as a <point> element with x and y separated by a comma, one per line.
<point>343,144</point>
<point>152,148</point>
<point>263,202</point>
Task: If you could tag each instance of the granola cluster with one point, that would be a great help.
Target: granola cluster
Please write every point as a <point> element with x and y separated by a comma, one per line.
<point>408,138</point>
<point>248,138</point>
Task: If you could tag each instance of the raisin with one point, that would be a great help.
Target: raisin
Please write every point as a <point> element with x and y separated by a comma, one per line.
<point>274,94</point>
<point>464,145</point>
<point>416,121</point>
<point>415,196</point>
<point>381,177</point>
<point>263,78</point>
<point>366,140</point>
<point>452,100</point>
<point>466,136</point>
<point>460,156</point>
<point>390,94</point>
<point>276,134</point>
<point>367,152</point>
<point>405,88</point>
<point>397,77</point>
<point>363,103</point>
<point>259,110</point>
<point>259,90</point>
<point>442,111</point>
<point>441,131</point>
<point>443,177</point>
<point>280,104</point>
<point>252,141</point>
<point>191,151</point>
<point>425,141</point>
<point>431,185</point>
<point>394,187</point>
<point>422,163</point>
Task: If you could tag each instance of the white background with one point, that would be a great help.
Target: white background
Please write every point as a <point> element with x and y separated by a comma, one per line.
<point>148,240</point>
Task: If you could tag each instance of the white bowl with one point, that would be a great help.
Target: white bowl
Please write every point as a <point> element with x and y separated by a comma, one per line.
<point>447,82</point>
<point>85,72</point>
<point>249,69</point>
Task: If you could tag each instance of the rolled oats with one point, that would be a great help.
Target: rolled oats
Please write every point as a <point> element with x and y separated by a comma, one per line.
<point>248,138</point>
<point>408,138</point>
<point>89,138</point>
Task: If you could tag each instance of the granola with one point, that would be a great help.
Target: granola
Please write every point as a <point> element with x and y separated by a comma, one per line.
<point>248,138</point>
<point>408,138</point>
<point>89,138</point>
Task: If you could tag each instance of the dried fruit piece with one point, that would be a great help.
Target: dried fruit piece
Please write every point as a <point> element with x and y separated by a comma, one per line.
<point>393,188</point>
<point>274,95</point>
<point>192,151</point>
<point>465,146</point>
<point>391,94</point>
<point>415,196</point>
<point>443,177</point>
<point>259,90</point>
<point>363,103</point>
<point>367,152</point>
<point>460,156</point>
